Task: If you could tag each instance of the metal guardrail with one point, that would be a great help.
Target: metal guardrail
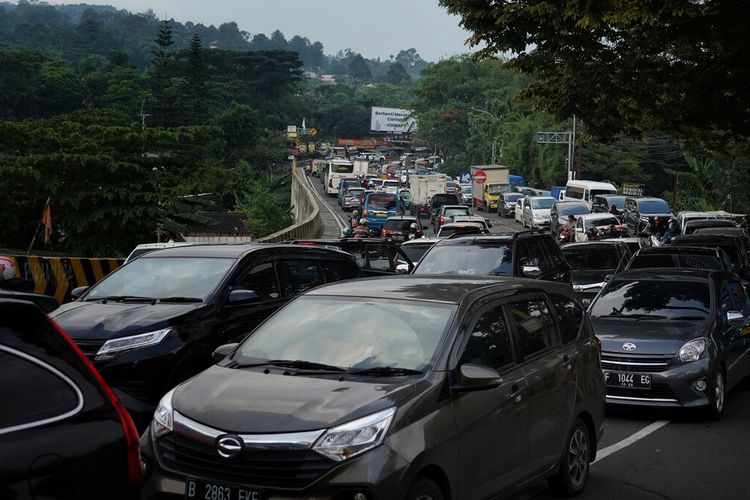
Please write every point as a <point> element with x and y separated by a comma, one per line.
<point>311,226</point>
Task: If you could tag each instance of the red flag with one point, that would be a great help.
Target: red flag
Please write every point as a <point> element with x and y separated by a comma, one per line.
<point>47,222</point>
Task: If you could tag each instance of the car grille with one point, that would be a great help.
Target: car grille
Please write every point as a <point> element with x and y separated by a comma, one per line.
<point>657,391</point>
<point>639,364</point>
<point>89,347</point>
<point>262,468</point>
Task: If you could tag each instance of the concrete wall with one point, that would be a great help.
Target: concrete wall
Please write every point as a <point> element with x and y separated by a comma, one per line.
<point>308,223</point>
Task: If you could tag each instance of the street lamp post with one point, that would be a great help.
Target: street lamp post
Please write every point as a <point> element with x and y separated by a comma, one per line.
<point>494,139</point>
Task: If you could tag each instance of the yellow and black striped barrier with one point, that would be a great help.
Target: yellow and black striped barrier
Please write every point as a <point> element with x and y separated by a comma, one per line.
<point>58,276</point>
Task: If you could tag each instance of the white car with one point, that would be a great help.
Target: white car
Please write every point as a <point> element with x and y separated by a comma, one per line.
<point>536,210</point>
<point>518,217</point>
<point>588,221</point>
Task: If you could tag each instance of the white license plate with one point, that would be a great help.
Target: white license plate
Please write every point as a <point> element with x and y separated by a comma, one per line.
<point>196,489</point>
<point>627,380</point>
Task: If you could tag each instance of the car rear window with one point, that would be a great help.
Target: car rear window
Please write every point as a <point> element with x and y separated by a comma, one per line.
<point>688,261</point>
<point>573,209</point>
<point>382,201</point>
<point>591,257</point>
<point>444,199</point>
<point>398,225</point>
<point>450,212</point>
<point>450,231</point>
<point>645,299</point>
<point>415,252</point>
<point>473,260</point>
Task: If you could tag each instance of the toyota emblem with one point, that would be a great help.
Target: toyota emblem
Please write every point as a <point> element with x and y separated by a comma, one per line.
<point>229,446</point>
<point>628,346</point>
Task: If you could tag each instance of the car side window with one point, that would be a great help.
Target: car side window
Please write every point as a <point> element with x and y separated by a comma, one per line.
<point>381,258</point>
<point>337,270</point>
<point>545,260</point>
<point>262,280</point>
<point>489,344</point>
<point>298,276</point>
<point>536,329</point>
<point>738,297</point>
<point>30,392</point>
<point>553,251</point>
<point>569,317</point>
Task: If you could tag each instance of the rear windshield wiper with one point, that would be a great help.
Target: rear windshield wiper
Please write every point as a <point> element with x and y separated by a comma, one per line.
<point>123,298</point>
<point>385,371</point>
<point>180,299</point>
<point>288,363</point>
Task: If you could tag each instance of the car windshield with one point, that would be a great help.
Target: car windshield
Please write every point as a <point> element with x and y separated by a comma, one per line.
<point>351,333</point>
<point>678,260</point>
<point>653,207</point>
<point>398,225</point>
<point>617,202</point>
<point>475,260</point>
<point>355,191</point>
<point>542,203</point>
<point>498,188</point>
<point>416,251</point>
<point>591,257</point>
<point>610,221</point>
<point>573,209</point>
<point>382,201</point>
<point>466,189</point>
<point>511,198</point>
<point>162,277</point>
<point>342,169</point>
<point>673,299</point>
<point>451,212</point>
<point>731,250</point>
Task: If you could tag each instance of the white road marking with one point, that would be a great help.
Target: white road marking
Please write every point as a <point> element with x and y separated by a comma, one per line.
<point>605,452</point>
<point>336,218</point>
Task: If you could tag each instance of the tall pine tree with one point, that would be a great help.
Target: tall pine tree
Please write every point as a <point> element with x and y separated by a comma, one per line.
<point>161,77</point>
<point>196,81</point>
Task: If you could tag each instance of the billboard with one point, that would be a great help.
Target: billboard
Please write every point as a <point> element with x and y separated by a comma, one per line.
<point>393,120</point>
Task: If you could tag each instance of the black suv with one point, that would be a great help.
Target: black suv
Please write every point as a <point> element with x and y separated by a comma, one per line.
<point>524,254</point>
<point>639,211</point>
<point>374,256</point>
<point>405,387</point>
<point>63,432</point>
<point>603,203</point>
<point>714,259</point>
<point>736,247</point>
<point>155,321</point>
<point>592,262</point>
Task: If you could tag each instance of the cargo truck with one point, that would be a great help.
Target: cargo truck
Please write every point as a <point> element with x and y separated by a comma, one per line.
<point>421,190</point>
<point>488,182</point>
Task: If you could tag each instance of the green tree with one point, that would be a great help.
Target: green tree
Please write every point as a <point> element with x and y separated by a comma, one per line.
<point>626,67</point>
<point>359,69</point>
<point>397,75</point>
<point>196,81</point>
<point>161,76</point>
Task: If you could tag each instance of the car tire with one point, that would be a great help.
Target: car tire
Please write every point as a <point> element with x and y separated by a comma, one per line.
<point>572,475</point>
<point>424,489</point>
<point>717,400</point>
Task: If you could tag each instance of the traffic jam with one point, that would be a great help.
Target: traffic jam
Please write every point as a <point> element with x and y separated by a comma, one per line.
<point>462,338</point>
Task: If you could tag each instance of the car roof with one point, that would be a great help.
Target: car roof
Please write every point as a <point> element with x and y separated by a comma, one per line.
<point>225,251</point>
<point>423,241</point>
<point>446,207</point>
<point>706,238</point>
<point>596,216</point>
<point>402,217</point>
<point>489,239</point>
<point>671,250</point>
<point>444,289</point>
<point>667,274</point>
<point>565,202</point>
<point>645,198</point>
<point>592,244</point>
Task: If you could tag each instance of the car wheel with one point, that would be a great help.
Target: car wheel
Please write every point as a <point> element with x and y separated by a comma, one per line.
<point>718,398</point>
<point>424,489</point>
<point>571,477</point>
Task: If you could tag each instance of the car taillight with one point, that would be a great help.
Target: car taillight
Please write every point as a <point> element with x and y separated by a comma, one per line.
<point>442,220</point>
<point>133,458</point>
<point>330,183</point>
<point>421,209</point>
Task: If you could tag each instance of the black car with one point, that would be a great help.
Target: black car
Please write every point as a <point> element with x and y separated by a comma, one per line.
<point>693,225</point>
<point>506,206</point>
<point>374,256</point>
<point>399,228</point>
<point>603,203</point>
<point>714,259</point>
<point>439,200</point>
<point>524,254</point>
<point>592,263</point>
<point>416,248</point>
<point>736,247</point>
<point>673,337</point>
<point>728,231</point>
<point>155,321</point>
<point>640,211</point>
<point>63,432</point>
<point>375,389</point>
<point>559,213</point>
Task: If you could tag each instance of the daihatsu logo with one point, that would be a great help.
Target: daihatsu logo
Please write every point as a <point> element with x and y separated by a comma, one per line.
<point>229,446</point>
<point>628,346</point>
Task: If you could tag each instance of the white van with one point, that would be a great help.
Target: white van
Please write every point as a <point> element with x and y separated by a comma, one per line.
<point>586,190</point>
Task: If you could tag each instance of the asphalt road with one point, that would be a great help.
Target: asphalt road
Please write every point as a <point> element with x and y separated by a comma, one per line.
<point>650,454</point>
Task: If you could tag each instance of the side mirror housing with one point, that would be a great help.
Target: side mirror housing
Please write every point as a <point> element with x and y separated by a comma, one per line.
<point>77,292</point>
<point>532,272</point>
<point>402,269</point>
<point>242,296</point>
<point>223,351</point>
<point>477,378</point>
<point>734,318</point>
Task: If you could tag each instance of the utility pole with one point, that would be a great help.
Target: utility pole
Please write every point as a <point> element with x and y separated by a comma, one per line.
<point>573,150</point>
<point>143,116</point>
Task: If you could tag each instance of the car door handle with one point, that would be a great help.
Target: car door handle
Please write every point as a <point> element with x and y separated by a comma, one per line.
<point>516,393</point>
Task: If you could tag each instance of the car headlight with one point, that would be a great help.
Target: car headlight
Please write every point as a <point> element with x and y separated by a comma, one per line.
<point>692,350</point>
<point>355,437</point>
<point>112,348</point>
<point>163,421</point>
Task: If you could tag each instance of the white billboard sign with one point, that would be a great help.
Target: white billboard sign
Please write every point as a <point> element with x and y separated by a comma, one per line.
<point>393,120</point>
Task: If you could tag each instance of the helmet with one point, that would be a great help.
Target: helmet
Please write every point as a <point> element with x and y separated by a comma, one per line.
<point>346,232</point>
<point>362,222</point>
<point>7,268</point>
<point>413,225</point>
<point>613,207</point>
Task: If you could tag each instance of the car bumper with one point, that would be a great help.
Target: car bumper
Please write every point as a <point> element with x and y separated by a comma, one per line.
<point>351,204</point>
<point>671,388</point>
<point>380,473</point>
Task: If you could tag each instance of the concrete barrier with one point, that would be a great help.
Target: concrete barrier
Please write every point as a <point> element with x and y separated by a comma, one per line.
<point>308,223</point>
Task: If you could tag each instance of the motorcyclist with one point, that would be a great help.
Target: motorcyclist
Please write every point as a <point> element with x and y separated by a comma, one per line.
<point>614,211</point>
<point>8,280</point>
<point>346,232</point>
<point>354,219</point>
<point>413,231</point>
<point>361,230</point>
<point>571,223</point>
<point>672,232</point>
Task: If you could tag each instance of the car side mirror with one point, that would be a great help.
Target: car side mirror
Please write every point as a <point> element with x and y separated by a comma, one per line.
<point>223,351</point>
<point>608,277</point>
<point>532,272</point>
<point>402,269</point>
<point>77,292</point>
<point>242,296</point>
<point>477,378</point>
<point>735,318</point>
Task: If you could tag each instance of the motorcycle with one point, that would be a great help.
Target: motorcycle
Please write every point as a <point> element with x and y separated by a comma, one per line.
<point>567,235</point>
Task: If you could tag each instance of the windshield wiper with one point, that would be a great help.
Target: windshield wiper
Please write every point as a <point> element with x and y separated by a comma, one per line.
<point>124,298</point>
<point>385,371</point>
<point>689,317</point>
<point>180,299</point>
<point>634,316</point>
<point>289,363</point>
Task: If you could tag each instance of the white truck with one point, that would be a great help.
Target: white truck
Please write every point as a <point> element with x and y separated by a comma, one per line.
<point>421,189</point>
<point>488,182</point>
<point>361,167</point>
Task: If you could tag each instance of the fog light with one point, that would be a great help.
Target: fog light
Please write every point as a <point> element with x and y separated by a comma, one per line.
<point>360,496</point>
<point>700,385</point>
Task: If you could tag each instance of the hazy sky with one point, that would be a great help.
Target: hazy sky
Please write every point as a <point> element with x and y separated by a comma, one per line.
<point>375,28</point>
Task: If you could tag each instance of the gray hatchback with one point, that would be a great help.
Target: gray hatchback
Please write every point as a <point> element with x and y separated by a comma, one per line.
<point>394,388</point>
